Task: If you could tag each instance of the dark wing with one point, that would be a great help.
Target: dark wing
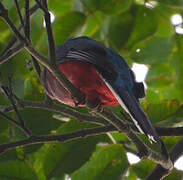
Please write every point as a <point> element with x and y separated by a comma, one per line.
<point>90,51</point>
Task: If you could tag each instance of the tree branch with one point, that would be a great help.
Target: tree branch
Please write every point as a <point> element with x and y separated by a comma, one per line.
<point>66,111</point>
<point>49,31</point>
<point>19,12</point>
<point>77,95</point>
<point>10,53</point>
<point>52,138</point>
<point>143,150</point>
<point>9,94</point>
<point>14,39</point>
<point>69,112</point>
<point>27,35</point>
<point>18,125</point>
<point>159,172</point>
<point>27,20</point>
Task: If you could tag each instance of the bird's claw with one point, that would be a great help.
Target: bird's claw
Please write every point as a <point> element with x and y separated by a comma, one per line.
<point>81,101</point>
<point>95,106</point>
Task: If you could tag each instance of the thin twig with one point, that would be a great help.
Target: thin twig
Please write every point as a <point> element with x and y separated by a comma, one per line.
<point>66,111</point>
<point>50,37</point>
<point>41,6</point>
<point>77,95</point>
<point>18,125</point>
<point>14,39</point>
<point>27,35</point>
<point>9,94</point>
<point>19,12</point>
<point>69,112</point>
<point>27,20</point>
<point>11,52</point>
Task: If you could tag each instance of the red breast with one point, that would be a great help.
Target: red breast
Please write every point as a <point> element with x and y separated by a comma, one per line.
<point>85,77</point>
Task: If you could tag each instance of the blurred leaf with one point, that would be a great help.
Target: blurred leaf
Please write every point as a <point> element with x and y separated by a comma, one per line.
<point>37,22</point>
<point>17,170</point>
<point>119,30</point>
<point>93,23</point>
<point>108,162</point>
<point>171,141</point>
<point>143,168</point>
<point>144,17</point>
<point>175,119</point>
<point>165,28</point>
<point>108,7</point>
<point>153,50</point>
<point>161,110</point>
<point>55,160</point>
<point>130,175</point>
<point>3,26</point>
<point>176,62</point>
<point>60,7</point>
<point>32,89</point>
<point>172,3</point>
<point>114,6</point>
<point>64,26</point>
<point>174,175</point>
<point>10,155</point>
<point>4,124</point>
<point>160,69</point>
<point>39,121</point>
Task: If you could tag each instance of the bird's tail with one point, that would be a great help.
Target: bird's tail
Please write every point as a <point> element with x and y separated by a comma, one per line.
<point>141,121</point>
<point>138,116</point>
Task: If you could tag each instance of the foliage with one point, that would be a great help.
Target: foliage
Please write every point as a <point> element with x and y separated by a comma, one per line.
<point>125,26</point>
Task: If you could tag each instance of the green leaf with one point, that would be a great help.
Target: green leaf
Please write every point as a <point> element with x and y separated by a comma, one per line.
<point>130,175</point>
<point>176,62</point>
<point>174,175</point>
<point>17,170</point>
<point>113,6</point>
<point>108,7</point>
<point>107,162</point>
<point>161,110</point>
<point>145,25</point>
<point>37,22</point>
<point>174,119</point>
<point>59,8</point>
<point>56,159</point>
<point>153,50</point>
<point>165,28</point>
<point>39,121</point>
<point>66,25</point>
<point>33,89</point>
<point>172,3</point>
<point>3,26</point>
<point>119,30</point>
<point>93,23</point>
<point>171,141</point>
<point>143,168</point>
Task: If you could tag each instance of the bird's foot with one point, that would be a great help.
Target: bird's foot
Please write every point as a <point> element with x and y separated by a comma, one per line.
<point>81,101</point>
<point>95,106</point>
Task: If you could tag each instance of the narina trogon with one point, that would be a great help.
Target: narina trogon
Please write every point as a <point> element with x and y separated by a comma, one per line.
<point>103,76</point>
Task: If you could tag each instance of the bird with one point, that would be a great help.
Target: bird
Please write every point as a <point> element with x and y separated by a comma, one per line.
<point>103,76</point>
